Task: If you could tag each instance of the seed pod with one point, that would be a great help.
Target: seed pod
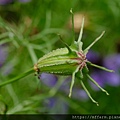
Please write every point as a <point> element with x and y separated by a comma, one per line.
<point>62,64</point>
<point>70,60</point>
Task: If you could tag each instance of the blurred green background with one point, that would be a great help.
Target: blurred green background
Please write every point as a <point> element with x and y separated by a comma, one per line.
<point>28,30</point>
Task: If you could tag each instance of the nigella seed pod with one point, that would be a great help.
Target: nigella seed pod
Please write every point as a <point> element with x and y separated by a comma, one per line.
<point>70,60</point>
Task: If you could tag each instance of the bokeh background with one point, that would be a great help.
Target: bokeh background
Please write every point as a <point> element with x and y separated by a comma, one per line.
<point>28,30</point>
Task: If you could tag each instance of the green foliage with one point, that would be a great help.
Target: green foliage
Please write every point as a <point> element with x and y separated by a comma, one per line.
<point>31,32</point>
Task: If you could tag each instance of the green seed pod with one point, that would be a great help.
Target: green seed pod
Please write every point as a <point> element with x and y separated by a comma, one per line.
<point>70,60</point>
<point>61,61</point>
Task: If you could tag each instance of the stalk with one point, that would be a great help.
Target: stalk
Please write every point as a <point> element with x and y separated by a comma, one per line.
<point>17,78</point>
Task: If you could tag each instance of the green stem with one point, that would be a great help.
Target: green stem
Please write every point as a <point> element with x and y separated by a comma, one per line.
<point>73,80</point>
<point>97,84</point>
<point>100,67</point>
<point>80,36</point>
<point>98,38</point>
<point>73,32</point>
<point>18,77</point>
<point>88,93</point>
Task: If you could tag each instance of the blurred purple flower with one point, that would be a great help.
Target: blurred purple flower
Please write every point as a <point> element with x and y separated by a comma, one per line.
<point>80,94</point>
<point>99,77</point>
<point>56,106</point>
<point>3,54</point>
<point>51,102</point>
<point>7,69</point>
<point>66,85</point>
<point>48,79</point>
<point>4,2</point>
<point>93,56</point>
<point>112,62</point>
<point>24,1</point>
<point>105,78</point>
<point>112,79</point>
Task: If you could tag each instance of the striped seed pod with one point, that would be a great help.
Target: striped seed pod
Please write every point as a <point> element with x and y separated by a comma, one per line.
<point>70,60</point>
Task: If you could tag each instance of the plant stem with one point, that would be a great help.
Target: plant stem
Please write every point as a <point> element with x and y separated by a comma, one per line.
<point>100,67</point>
<point>97,84</point>
<point>73,32</point>
<point>18,77</point>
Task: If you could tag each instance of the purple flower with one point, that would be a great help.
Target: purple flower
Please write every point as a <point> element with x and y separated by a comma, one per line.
<point>48,79</point>
<point>98,76</point>
<point>80,94</point>
<point>66,85</point>
<point>51,102</point>
<point>112,62</point>
<point>7,69</point>
<point>112,79</point>
<point>24,1</point>
<point>56,106</point>
<point>3,54</point>
<point>93,56</point>
<point>105,78</point>
<point>4,2</point>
